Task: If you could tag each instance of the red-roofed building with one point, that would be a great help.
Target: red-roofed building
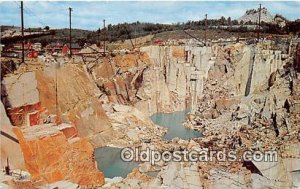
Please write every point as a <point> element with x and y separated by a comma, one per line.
<point>54,47</point>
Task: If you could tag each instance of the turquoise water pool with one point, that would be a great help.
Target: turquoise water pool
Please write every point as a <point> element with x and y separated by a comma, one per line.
<point>173,121</point>
<point>109,158</point>
<point>110,163</point>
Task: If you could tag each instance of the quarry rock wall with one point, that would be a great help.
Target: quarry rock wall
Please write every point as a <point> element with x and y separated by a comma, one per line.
<point>51,156</point>
<point>10,149</point>
<point>19,90</point>
<point>255,90</point>
<point>252,68</point>
<point>20,96</point>
<point>30,97</point>
<point>175,79</point>
<point>37,103</point>
<point>73,96</point>
<point>156,79</point>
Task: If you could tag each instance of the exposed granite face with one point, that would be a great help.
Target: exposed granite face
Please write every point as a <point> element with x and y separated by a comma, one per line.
<point>52,153</point>
<point>170,83</point>
<point>19,90</point>
<point>180,175</point>
<point>76,101</point>
<point>264,118</point>
<point>246,67</point>
<point>50,156</point>
<point>9,148</point>
<point>156,79</point>
<point>21,97</point>
<point>32,96</point>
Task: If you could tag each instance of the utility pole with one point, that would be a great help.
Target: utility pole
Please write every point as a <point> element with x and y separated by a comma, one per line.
<point>134,35</point>
<point>98,37</point>
<point>22,31</point>
<point>259,14</point>
<point>70,18</point>
<point>104,36</point>
<point>57,65</point>
<point>205,29</point>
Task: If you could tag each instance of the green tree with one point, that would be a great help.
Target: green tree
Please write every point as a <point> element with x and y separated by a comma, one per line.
<point>229,21</point>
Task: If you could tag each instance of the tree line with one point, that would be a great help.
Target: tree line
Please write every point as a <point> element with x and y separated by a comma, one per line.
<point>125,30</point>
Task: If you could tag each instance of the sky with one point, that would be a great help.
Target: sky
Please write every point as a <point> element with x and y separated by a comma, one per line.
<point>89,14</point>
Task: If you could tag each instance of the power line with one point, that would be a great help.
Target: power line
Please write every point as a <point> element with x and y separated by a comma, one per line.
<point>29,12</point>
<point>17,3</point>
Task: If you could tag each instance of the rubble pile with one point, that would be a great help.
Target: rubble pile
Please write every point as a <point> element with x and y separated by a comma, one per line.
<point>131,126</point>
<point>264,118</point>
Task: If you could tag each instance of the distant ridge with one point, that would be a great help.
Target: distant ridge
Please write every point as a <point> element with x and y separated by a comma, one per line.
<point>253,14</point>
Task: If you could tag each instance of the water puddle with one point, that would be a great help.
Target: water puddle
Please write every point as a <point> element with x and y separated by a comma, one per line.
<point>110,163</point>
<point>173,121</point>
<point>109,158</point>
